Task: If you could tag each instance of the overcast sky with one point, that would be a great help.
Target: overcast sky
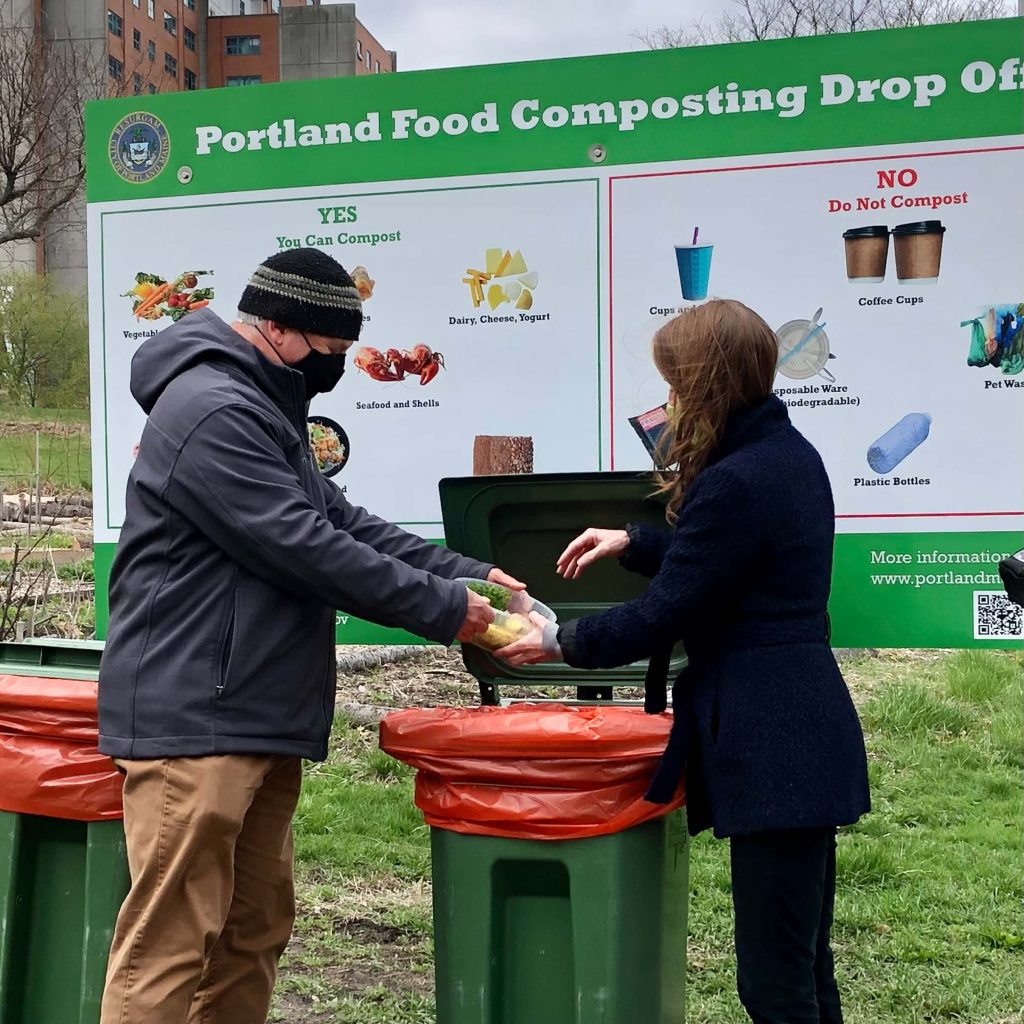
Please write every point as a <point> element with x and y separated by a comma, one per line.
<point>447,33</point>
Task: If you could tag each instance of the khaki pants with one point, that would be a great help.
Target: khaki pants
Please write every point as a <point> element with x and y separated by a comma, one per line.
<point>212,903</point>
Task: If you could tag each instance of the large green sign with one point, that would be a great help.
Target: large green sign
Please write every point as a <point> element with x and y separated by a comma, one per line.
<point>520,231</point>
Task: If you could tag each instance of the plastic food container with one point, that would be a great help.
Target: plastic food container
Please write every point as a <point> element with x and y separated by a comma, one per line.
<point>506,628</point>
<point>519,602</point>
<point>512,609</point>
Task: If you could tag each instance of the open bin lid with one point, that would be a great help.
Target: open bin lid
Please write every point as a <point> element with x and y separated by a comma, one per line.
<point>522,524</point>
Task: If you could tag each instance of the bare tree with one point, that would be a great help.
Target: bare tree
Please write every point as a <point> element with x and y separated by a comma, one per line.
<point>44,84</point>
<point>782,19</point>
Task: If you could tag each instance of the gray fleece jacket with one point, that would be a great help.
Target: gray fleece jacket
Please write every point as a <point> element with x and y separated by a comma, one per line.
<point>234,554</point>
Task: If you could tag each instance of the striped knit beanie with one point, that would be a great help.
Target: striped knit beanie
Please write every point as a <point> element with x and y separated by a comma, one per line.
<point>305,289</point>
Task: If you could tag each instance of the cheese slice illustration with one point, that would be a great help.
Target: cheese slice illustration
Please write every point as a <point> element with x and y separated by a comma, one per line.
<point>496,296</point>
<point>517,265</point>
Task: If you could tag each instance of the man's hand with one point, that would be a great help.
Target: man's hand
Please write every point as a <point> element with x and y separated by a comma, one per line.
<point>588,547</point>
<point>503,578</point>
<point>479,615</point>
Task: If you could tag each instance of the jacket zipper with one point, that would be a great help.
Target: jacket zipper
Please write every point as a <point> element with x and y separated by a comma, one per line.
<point>225,654</point>
<point>303,428</point>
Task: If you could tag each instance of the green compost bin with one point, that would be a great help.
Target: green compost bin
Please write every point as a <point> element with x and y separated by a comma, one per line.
<point>580,931</point>
<point>61,883</point>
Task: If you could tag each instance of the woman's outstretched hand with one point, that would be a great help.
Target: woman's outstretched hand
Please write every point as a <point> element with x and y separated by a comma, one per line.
<point>530,649</point>
<point>588,547</point>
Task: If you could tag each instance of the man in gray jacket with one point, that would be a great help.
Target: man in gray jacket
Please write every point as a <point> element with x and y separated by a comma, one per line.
<point>219,673</point>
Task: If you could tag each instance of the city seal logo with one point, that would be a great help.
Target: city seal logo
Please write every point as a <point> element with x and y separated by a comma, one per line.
<point>139,147</point>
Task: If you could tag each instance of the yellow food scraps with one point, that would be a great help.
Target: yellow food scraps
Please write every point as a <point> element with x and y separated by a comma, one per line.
<point>504,630</point>
<point>525,300</point>
<point>496,296</point>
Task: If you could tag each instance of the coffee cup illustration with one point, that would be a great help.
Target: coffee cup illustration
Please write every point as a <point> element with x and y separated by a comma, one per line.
<point>867,250</point>
<point>918,248</point>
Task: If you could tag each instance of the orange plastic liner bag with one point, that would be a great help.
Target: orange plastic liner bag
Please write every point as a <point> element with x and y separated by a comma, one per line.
<point>49,764</point>
<point>532,771</point>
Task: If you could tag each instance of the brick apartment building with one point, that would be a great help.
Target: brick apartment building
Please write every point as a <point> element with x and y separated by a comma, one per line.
<point>170,45</point>
<point>159,46</point>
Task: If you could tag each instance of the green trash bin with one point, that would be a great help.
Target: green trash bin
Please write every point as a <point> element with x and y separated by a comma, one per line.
<point>575,931</point>
<point>62,880</point>
<point>578,931</point>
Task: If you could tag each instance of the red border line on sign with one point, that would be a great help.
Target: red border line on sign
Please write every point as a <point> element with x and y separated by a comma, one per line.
<point>763,167</point>
<point>818,163</point>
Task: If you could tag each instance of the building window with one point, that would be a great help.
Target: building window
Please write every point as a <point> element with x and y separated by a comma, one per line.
<point>135,3</point>
<point>244,79</point>
<point>136,83</point>
<point>151,89</point>
<point>171,65</point>
<point>241,6</point>
<point>377,67</point>
<point>190,4</point>
<point>190,79</point>
<point>359,50</point>
<point>151,8</point>
<point>136,39</point>
<point>115,24</point>
<point>190,40</point>
<point>151,50</point>
<point>241,46</point>
<point>115,69</point>
<point>170,24</point>
<point>369,60</point>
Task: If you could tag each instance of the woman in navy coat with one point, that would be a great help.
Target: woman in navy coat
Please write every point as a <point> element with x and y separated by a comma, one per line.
<point>764,727</point>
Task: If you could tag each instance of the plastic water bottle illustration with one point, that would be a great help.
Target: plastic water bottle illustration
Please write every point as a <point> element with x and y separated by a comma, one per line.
<point>885,454</point>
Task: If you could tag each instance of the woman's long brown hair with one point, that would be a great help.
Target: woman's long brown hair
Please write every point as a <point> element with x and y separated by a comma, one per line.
<point>715,357</point>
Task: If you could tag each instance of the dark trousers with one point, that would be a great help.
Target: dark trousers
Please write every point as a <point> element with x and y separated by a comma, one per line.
<point>783,889</point>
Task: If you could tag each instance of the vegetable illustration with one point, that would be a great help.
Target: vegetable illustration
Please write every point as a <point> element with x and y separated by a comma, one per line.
<point>154,297</point>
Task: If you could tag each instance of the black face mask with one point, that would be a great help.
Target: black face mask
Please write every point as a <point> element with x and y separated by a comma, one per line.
<point>322,370</point>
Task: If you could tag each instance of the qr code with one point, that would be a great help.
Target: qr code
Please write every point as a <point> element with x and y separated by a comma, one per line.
<point>996,617</point>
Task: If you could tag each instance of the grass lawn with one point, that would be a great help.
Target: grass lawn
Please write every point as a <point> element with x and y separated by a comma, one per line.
<point>35,414</point>
<point>928,922</point>
<point>65,455</point>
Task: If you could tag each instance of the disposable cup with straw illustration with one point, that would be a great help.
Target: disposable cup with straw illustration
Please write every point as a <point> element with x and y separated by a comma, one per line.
<point>694,263</point>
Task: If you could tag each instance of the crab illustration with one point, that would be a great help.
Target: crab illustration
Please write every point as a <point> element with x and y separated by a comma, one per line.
<point>395,364</point>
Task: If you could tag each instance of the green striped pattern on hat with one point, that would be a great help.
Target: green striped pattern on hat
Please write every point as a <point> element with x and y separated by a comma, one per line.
<point>305,289</point>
